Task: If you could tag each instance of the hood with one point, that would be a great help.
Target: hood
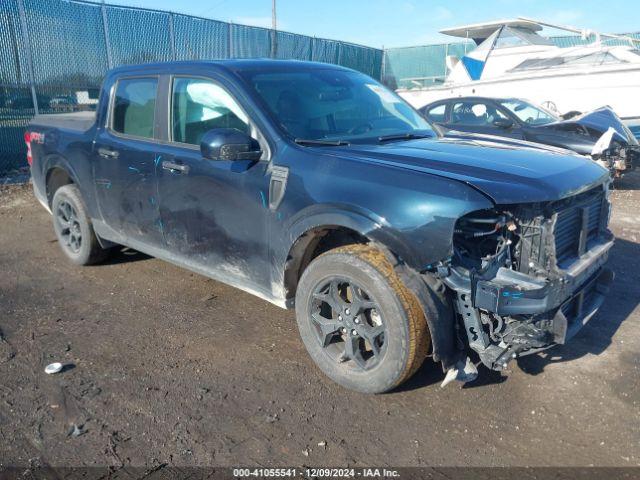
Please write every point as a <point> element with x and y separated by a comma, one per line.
<point>600,121</point>
<point>504,172</point>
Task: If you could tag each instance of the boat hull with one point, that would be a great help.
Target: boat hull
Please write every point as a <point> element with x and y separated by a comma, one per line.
<point>567,91</point>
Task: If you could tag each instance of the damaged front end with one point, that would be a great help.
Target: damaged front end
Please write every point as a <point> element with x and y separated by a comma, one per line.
<point>618,159</point>
<point>615,146</point>
<point>527,277</point>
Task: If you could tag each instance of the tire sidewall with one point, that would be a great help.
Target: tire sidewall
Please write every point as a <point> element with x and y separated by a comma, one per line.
<point>386,374</point>
<point>70,194</point>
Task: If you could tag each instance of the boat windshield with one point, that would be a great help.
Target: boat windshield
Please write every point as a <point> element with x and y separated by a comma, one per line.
<point>528,113</point>
<point>327,104</point>
<point>590,59</point>
<point>507,37</point>
<point>519,37</point>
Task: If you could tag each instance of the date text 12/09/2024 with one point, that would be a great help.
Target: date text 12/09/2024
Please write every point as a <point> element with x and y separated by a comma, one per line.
<point>315,472</point>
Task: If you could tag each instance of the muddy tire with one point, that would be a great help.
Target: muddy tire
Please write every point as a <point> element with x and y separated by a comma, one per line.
<point>73,227</point>
<point>360,324</point>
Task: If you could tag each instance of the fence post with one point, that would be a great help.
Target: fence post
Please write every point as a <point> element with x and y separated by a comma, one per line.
<point>105,31</point>
<point>312,47</point>
<point>230,41</point>
<point>274,43</point>
<point>383,66</point>
<point>27,42</point>
<point>172,37</point>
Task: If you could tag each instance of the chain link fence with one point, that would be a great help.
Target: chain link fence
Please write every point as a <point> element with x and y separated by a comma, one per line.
<point>423,65</point>
<point>54,53</point>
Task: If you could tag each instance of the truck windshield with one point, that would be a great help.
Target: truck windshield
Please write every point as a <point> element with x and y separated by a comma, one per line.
<point>336,105</point>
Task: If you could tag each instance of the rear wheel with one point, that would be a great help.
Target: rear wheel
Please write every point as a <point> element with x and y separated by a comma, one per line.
<point>360,324</point>
<point>73,227</point>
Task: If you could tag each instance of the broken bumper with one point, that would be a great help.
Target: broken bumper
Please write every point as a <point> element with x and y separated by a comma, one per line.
<point>513,314</point>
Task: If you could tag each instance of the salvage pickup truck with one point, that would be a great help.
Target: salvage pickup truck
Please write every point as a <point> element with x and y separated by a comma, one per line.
<point>316,188</point>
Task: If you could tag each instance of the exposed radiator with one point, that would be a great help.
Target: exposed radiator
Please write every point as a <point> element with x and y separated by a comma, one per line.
<point>577,225</point>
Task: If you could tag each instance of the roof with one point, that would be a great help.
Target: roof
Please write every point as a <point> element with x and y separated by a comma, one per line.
<point>230,64</point>
<point>473,98</point>
<point>483,30</point>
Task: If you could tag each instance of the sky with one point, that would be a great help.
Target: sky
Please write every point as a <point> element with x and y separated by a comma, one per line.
<point>400,23</point>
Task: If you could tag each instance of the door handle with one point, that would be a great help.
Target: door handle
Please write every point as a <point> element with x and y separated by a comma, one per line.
<point>175,167</point>
<point>108,153</point>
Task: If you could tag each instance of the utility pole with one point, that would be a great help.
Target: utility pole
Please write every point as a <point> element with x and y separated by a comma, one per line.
<point>274,28</point>
<point>274,23</point>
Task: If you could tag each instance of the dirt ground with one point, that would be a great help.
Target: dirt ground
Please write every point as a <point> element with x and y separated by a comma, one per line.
<point>168,367</point>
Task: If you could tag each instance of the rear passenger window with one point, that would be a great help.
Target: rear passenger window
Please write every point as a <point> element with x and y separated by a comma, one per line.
<point>134,107</point>
<point>199,106</point>
<point>436,114</point>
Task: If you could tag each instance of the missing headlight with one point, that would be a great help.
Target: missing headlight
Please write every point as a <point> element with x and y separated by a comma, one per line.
<point>481,235</point>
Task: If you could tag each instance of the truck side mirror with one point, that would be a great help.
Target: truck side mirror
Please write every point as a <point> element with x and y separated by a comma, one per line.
<point>503,123</point>
<point>229,144</point>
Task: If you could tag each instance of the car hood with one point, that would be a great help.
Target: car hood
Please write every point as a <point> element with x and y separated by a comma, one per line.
<point>504,172</point>
<point>495,140</point>
<point>599,121</point>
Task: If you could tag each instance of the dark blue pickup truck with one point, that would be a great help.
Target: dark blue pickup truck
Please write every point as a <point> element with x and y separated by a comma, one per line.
<point>313,186</point>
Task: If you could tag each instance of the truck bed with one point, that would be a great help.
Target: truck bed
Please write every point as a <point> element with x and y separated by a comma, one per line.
<point>76,121</point>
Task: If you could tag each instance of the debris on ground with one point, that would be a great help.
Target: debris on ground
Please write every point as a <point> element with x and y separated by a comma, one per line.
<point>272,418</point>
<point>76,430</point>
<point>6,351</point>
<point>55,367</point>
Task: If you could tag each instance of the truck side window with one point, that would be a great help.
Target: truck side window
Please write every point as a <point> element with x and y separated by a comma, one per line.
<point>199,106</point>
<point>134,107</point>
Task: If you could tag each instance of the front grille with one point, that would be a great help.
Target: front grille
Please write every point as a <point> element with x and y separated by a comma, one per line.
<point>574,308</point>
<point>577,225</point>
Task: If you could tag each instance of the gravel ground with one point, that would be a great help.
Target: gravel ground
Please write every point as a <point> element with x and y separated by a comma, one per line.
<point>168,367</point>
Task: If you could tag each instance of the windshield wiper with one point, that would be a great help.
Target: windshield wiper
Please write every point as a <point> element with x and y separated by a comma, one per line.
<point>403,136</point>
<point>327,143</point>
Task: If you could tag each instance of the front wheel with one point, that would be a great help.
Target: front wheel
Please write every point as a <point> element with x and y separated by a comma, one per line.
<point>358,321</point>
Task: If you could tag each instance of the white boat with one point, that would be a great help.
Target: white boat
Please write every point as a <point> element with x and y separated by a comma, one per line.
<point>512,59</point>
